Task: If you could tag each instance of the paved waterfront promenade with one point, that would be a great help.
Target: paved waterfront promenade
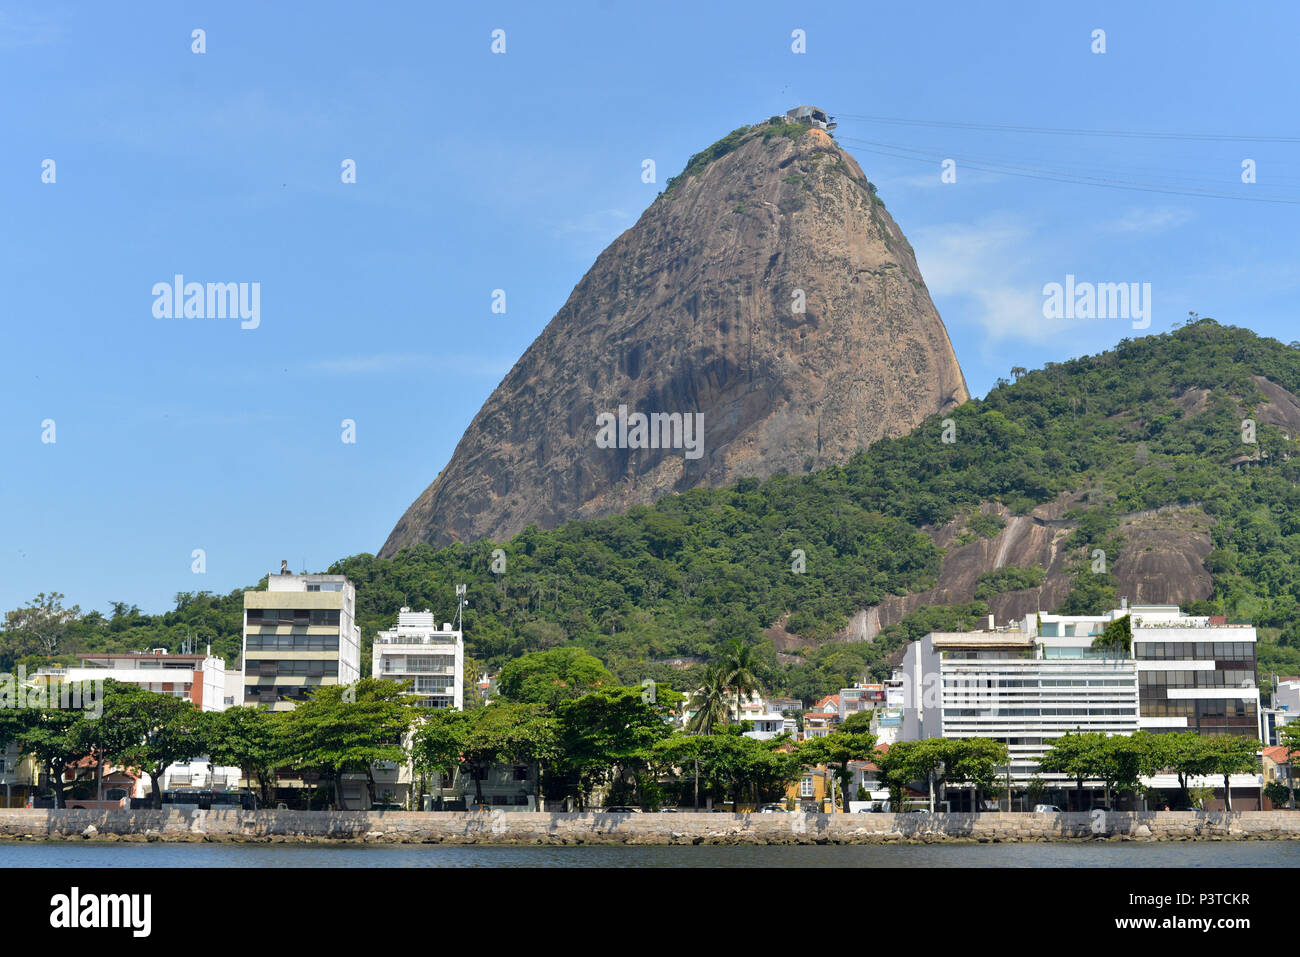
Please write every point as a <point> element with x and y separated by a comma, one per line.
<point>522,827</point>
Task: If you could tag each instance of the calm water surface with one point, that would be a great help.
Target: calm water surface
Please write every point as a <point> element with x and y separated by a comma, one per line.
<point>1189,854</point>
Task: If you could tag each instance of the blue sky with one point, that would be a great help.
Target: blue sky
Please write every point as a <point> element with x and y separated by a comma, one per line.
<point>478,171</point>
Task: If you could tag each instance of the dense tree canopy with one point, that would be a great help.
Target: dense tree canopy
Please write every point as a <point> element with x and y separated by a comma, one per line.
<point>1157,421</point>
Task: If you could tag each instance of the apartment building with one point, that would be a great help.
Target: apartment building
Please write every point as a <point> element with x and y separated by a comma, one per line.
<point>887,720</point>
<point>1032,681</point>
<point>197,678</point>
<point>299,634</point>
<point>430,657</point>
<point>1015,686</point>
<point>1195,673</point>
<point>862,697</point>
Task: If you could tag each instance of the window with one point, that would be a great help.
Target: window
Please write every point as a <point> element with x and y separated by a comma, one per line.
<point>806,786</point>
<point>293,642</point>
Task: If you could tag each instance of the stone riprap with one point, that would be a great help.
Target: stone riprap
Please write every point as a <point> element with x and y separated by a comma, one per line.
<point>522,827</point>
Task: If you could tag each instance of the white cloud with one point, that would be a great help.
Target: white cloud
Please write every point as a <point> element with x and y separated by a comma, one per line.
<point>1148,221</point>
<point>986,264</point>
<point>601,221</point>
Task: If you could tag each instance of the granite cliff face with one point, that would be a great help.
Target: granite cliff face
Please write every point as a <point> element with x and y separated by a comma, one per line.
<point>767,294</point>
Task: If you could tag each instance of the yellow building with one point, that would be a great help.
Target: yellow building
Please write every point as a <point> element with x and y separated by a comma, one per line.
<point>812,791</point>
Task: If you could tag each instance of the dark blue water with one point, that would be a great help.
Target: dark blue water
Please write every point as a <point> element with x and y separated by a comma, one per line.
<point>1182,854</point>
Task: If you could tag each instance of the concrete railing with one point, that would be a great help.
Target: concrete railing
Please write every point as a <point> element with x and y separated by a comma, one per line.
<point>526,827</point>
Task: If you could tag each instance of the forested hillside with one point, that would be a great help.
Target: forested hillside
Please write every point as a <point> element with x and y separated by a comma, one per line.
<point>1156,422</point>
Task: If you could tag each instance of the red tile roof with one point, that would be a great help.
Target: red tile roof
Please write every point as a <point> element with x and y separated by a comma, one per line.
<point>1276,754</point>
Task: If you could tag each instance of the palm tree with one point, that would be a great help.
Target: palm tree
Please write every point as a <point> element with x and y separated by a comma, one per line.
<point>738,665</point>
<point>738,674</point>
<point>709,703</point>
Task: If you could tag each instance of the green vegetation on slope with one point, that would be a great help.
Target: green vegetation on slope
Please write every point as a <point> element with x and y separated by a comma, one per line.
<point>681,578</point>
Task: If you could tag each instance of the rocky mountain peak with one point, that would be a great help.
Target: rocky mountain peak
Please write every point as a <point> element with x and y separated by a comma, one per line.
<point>765,314</point>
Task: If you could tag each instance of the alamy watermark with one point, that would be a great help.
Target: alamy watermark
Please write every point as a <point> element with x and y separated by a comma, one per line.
<point>656,430</point>
<point>1101,300</point>
<point>179,299</point>
<point>18,693</point>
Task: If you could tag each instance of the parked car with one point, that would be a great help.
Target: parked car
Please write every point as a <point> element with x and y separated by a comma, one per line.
<point>480,807</point>
<point>772,809</point>
<point>668,810</point>
<point>1046,809</point>
<point>622,809</point>
<point>722,810</point>
<point>380,806</point>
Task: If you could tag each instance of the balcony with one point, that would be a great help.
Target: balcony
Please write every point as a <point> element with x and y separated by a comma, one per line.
<point>435,639</point>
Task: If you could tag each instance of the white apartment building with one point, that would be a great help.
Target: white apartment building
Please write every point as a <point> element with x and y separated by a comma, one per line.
<point>201,679</point>
<point>1195,673</point>
<point>299,634</point>
<point>1035,680</point>
<point>887,721</point>
<point>769,725</point>
<point>431,658</point>
<point>1015,686</point>
<point>197,678</point>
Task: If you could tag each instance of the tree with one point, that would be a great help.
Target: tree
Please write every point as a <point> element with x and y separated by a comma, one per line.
<point>499,733</point>
<point>250,739</point>
<point>975,762</point>
<point>38,626</point>
<point>346,729</point>
<point>928,760</point>
<point>1277,793</point>
<point>1116,638</point>
<point>839,748</point>
<point>609,733</point>
<point>1230,754</point>
<point>1074,754</point>
<point>550,677</point>
<point>681,751</point>
<point>710,704</point>
<point>1186,754</point>
<point>56,738</point>
<point>1290,737</point>
<point>733,762</point>
<point>152,731</point>
<point>1121,758</point>
<point>11,725</point>
<point>738,665</point>
<point>439,742</point>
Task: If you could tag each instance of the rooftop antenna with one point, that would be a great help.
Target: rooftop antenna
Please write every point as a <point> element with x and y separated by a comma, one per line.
<point>460,605</point>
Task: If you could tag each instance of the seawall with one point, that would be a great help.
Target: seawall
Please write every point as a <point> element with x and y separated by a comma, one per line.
<point>522,827</point>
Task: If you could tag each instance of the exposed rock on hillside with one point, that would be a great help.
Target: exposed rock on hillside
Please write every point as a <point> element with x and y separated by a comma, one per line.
<point>767,289</point>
